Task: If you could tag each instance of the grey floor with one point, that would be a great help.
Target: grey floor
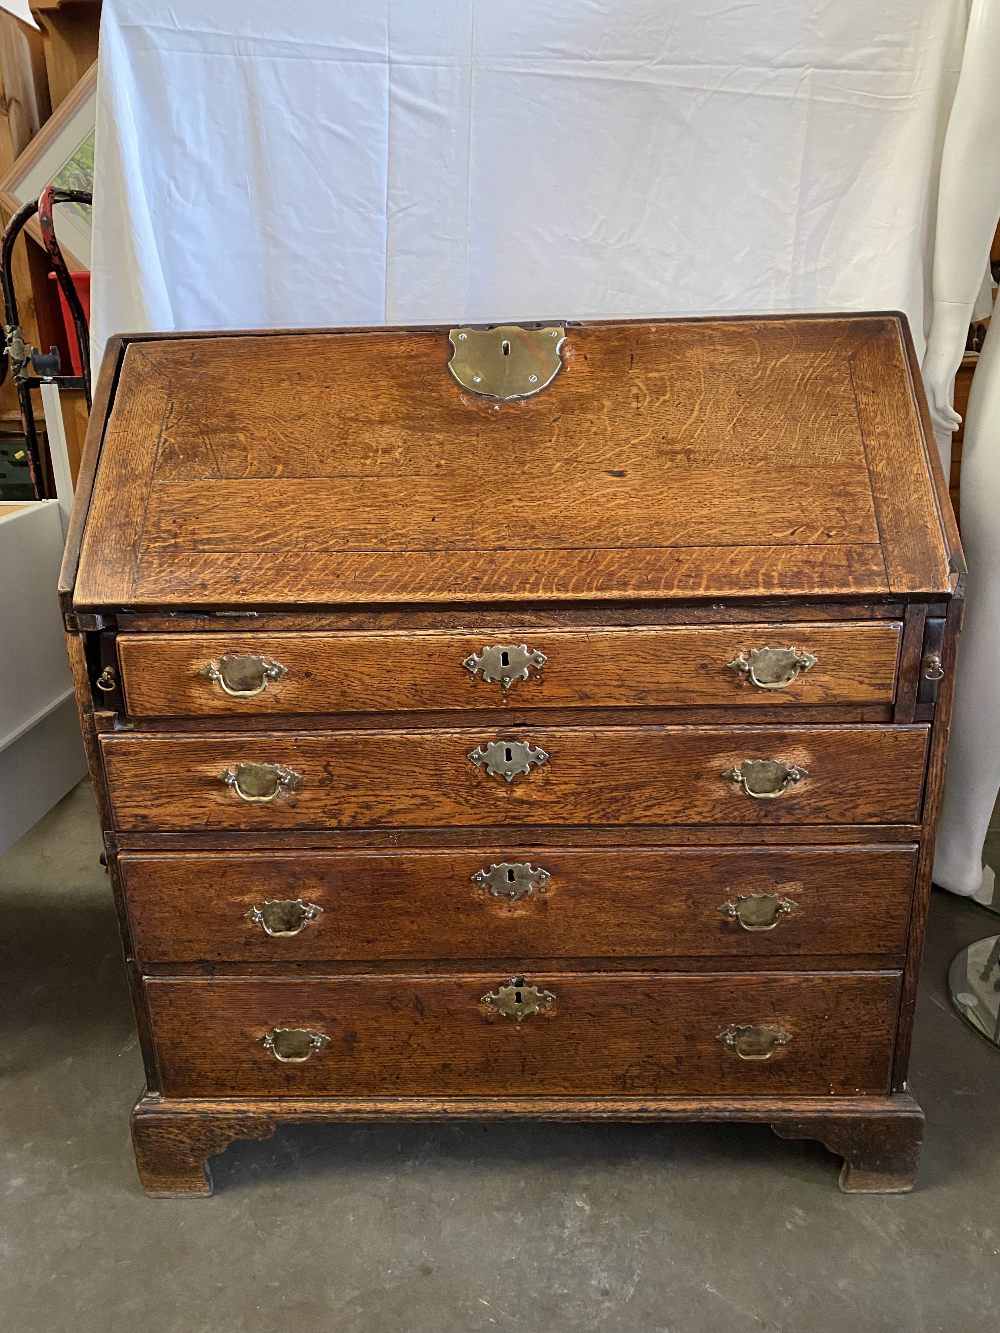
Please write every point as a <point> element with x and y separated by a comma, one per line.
<point>450,1229</point>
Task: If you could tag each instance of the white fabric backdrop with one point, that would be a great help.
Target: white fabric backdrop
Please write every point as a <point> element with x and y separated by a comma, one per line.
<point>306,163</point>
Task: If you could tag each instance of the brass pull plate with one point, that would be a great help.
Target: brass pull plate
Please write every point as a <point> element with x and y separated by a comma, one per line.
<point>757,911</point>
<point>243,675</point>
<point>518,1000</point>
<point>506,362</point>
<point>258,783</point>
<point>293,1046</point>
<point>505,662</point>
<point>765,779</point>
<point>754,1041</point>
<point>512,879</point>
<point>506,759</point>
<point>931,667</point>
<point>283,917</point>
<point>772,668</point>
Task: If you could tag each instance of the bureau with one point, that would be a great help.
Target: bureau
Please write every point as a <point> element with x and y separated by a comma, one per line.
<point>540,721</point>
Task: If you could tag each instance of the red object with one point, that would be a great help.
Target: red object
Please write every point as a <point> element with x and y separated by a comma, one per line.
<point>81,281</point>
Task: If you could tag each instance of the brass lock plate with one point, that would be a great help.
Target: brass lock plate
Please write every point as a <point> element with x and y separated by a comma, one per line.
<point>512,879</point>
<point>519,1000</point>
<point>507,361</point>
<point>505,662</point>
<point>507,759</point>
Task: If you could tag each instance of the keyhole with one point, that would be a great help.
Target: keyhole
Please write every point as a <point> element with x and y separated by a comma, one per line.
<point>508,754</point>
<point>518,998</point>
<point>505,349</point>
<point>505,659</point>
<point>510,877</point>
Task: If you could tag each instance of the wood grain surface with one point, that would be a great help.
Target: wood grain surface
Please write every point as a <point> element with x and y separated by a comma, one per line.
<point>426,905</point>
<point>878,1137</point>
<point>683,491</point>
<point>425,779</point>
<point>585,667</point>
<point>667,459</point>
<point>605,1035</point>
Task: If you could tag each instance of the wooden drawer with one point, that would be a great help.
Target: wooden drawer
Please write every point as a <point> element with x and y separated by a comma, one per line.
<point>605,1035</point>
<point>425,779</point>
<point>163,674</point>
<point>366,906</point>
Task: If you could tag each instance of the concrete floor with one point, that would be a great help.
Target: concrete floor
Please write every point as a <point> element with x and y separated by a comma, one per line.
<point>452,1229</point>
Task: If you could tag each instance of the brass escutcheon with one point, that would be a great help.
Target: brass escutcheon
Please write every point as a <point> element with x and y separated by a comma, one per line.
<point>506,361</point>
<point>243,675</point>
<point>757,911</point>
<point>506,759</point>
<point>504,662</point>
<point>512,879</point>
<point>518,1000</point>
<point>283,917</point>
<point>754,1041</point>
<point>260,782</point>
<point>772,668</point>
<point>293,1046</point>
<point>764,779</point>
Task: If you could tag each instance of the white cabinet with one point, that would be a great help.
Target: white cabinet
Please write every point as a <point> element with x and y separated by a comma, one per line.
<point>41,754</point>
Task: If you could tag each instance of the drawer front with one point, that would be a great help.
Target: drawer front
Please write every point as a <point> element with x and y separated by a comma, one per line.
<point>593,1035</point>
<point>518,902</point>
<point>577,776</point>
<point>204,675</point>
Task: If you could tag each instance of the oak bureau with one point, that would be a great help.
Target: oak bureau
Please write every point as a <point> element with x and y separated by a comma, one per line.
<point>533,720</point>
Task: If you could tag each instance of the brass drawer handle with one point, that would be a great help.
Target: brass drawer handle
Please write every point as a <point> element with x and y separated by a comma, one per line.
<point>772,668</point>
<point>931,667</point>
<point>754,1041</point>
<point>283,917</point>
<point>506,759</point>
<point>512,879</point>
<point>243,675</point>
<point>293,1046</point>
<point>757,911</point>
<point>518,1000</point>
<point>260,782</point>
<point>764,779</point>
<point>504,662</point>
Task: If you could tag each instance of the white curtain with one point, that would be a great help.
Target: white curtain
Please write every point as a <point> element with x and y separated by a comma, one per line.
<point>304,163</point>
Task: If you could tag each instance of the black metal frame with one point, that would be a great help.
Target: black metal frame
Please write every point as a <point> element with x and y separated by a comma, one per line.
<point>30,368</point>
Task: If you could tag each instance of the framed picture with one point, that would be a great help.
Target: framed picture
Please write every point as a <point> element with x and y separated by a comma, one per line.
<point>60,154</point>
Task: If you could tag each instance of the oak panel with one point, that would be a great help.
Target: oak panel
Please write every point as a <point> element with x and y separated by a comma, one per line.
<point>608,776</point>
<point>425,904</point>
<point>586,667</point>
<point>606,1034</point>
<point>667,459</point>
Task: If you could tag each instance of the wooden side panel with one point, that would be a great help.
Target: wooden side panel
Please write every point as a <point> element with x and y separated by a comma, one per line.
<point>916,557</point>
<point>103,397</point>
<point>112,533</point>
<point>427,905</point>
<point>425,779</point>
<point>586,667</point>
<point>604,1035</point>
